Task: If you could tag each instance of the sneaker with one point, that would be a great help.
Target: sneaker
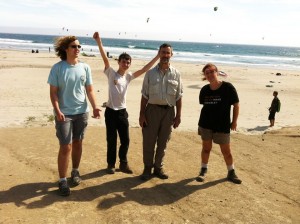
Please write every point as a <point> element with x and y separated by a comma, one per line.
<point>125,168</point>
<point>63,188</point>
<point>110,169</point>
<point>233,177</point>
<point>201,176</point>
<point>146,175</point>
<point>75,177</point>
<point>160,173</point>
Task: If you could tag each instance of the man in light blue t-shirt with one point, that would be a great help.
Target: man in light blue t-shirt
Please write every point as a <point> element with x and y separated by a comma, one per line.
<point>70,85</point>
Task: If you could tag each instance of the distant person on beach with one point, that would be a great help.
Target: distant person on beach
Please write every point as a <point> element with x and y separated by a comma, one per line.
<point>161,92</point>
<point>116,116</point>
<point>214,123</point>
<point>70,85</point>
<point>275,107</point>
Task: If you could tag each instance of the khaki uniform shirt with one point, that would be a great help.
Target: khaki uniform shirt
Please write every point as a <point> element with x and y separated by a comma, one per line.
<point>162,88</point>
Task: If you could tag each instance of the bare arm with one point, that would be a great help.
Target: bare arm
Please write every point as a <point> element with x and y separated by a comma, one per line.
<point>54,100</point>
<point>92,99</point>
<point>235,114</point>
<point>97,38</point>
<point>177,119</point>
<point>142,119</point>
<point>146,67</point>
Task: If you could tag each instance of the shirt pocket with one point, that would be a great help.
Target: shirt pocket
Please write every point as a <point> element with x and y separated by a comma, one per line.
<point>153,86</point>
<point>172,87</point>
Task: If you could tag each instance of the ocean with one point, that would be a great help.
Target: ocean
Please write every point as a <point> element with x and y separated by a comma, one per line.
<point>194,52</point>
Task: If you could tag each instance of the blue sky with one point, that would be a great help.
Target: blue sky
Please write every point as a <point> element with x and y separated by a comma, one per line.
<point>267,22</point>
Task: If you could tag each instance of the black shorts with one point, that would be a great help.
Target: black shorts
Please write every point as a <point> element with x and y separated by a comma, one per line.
<point>272,115</point>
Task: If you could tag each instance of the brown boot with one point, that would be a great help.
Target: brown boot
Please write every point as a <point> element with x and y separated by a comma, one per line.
<point>201,176</point>
<point>125,168</point>
<point>110,169</point>
<point>233,177</point>
<point>146,175</point>
<point>160,173</point>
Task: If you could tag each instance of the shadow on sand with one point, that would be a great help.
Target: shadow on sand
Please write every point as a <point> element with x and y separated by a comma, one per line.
<point>258,128</point>
<point>122,190</point>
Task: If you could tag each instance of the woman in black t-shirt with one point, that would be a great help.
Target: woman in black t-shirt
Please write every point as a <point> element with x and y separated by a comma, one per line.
<point>217,97</point>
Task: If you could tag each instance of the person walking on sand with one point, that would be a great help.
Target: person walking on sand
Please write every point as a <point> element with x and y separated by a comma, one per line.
<point>275,107</point>
<point>161,93</point>
<point>116,116</point>
<point>70,85</point>
<point>214,123</point>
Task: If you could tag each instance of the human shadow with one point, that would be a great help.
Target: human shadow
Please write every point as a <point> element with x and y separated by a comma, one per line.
<point>90,193</point>
<point>161,194</point>
<point>123,190</point>
<point>21,193</point>
<point>258,128</point>
<point>95,174</point>
<point>194,86</point>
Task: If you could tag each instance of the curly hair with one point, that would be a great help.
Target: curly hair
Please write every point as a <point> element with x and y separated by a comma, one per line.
<point>61,44</point>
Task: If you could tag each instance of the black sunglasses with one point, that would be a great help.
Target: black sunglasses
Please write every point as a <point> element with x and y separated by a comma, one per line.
<point>75,46</point>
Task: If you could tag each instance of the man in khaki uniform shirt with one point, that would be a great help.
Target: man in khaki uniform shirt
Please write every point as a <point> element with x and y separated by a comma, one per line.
<point>161,93</point>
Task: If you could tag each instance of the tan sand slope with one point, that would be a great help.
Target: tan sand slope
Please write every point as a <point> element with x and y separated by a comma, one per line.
<point>268,165</point>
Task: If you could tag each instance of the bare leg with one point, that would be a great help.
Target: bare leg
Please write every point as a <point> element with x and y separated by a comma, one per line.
<point>76,153</point>
<point>206,148</point>
<point>225,149</point>
<point>63,159</point>
<point>231,176</point>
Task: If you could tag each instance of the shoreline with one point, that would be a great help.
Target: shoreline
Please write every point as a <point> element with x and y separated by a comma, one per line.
<point>228,64</point>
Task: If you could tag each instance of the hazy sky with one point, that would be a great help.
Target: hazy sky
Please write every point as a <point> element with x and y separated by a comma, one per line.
<point>268,22</point>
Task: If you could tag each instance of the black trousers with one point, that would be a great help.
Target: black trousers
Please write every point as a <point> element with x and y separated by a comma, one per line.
<point>116,122</point>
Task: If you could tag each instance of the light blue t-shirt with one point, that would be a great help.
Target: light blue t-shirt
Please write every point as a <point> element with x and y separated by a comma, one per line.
<point>71,81</point>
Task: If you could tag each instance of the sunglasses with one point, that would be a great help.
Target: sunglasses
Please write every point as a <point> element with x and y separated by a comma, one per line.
<point>208,72</point>
<point>75,46</point>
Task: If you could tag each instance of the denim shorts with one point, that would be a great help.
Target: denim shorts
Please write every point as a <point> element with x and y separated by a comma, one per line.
<point>216,137</point>
<point>72,128</point>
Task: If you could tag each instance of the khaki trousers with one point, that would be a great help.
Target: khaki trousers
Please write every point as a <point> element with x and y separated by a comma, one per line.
<point>157,132</point>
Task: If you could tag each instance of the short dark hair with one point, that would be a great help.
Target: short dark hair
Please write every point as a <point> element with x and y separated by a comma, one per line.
<point>62,44</point>
<point>125,56</point>
<point>165,45</point>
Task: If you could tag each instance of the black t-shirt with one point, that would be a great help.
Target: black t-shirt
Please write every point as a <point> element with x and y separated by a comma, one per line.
<point>274,105</point>
<point>215,113</point>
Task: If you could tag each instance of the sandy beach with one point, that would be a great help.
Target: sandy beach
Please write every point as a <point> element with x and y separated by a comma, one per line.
<point>266,159</point>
